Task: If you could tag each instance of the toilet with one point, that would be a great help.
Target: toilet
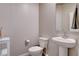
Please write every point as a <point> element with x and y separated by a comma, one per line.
<point>38,50</point>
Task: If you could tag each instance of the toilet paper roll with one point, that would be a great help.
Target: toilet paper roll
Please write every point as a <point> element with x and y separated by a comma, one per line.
<point>28,40</point>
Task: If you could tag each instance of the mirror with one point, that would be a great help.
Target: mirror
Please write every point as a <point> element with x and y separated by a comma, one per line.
<point>67,17</point>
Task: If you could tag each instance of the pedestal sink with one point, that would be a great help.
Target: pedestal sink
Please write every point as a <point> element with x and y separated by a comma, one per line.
<point>64,44</point>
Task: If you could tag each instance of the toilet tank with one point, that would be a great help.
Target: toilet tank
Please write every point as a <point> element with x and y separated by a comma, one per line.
<point>43,42</point>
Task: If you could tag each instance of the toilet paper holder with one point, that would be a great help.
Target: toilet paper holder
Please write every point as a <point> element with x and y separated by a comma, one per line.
<point>26,42</point>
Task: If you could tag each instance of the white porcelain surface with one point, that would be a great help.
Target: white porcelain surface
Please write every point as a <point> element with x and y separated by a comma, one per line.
<point>43,42</point>
<point>35,51</point>
<point>35,48</point>
<point>64,43</point>
<point>43,38</point>
<point>67,42</point>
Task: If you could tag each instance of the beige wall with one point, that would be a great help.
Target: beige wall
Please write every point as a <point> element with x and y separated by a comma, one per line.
<point>47,25</point>
<point>20,22</point>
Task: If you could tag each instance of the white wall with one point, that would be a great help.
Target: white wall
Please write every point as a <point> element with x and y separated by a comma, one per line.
<point>47,19</point>
<point>59,19</point>
<point>20,22</point>
<point>47,15</point>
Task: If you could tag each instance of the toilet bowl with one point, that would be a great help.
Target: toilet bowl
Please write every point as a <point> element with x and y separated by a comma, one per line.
<point>38,50</point>
<point>35,51</point>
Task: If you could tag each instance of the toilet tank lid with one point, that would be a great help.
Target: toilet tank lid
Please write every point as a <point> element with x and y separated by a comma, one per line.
<point>43,38</point>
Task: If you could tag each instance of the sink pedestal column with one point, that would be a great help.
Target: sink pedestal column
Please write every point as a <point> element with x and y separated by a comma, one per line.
<point>63,51</point>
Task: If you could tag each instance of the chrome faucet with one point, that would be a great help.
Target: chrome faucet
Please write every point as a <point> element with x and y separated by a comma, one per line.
<point>65,34</point>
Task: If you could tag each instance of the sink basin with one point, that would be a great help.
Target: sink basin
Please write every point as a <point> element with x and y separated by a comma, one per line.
<point>68,42</point>
<point>63,44</point>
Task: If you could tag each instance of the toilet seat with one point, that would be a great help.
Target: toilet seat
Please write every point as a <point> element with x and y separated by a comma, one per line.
<point>35,48</point>
<point>35,51</point>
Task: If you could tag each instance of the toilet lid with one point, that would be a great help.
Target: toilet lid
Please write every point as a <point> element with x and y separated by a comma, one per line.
<point>43,38</point>
<point>35,48</point>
